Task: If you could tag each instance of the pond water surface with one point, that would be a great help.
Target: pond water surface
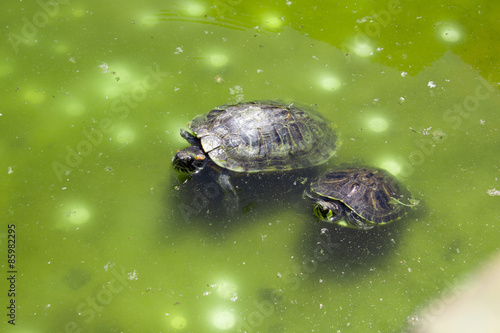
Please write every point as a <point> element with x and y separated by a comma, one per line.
<point>109,238</point>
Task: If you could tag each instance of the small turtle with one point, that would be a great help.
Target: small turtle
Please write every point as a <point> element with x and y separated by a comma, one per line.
<point>358,198</point>
<point>254,137</point>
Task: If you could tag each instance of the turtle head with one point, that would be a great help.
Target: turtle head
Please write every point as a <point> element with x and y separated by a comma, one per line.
<point>329,211</point>
<point>326,210</point>
<point>190,160</point>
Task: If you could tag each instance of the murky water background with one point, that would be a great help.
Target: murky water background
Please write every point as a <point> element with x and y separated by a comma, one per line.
<point>109,239</point>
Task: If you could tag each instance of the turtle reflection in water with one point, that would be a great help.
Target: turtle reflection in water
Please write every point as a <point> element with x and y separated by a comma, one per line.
<point>359,198</point>
<point>255,137</point>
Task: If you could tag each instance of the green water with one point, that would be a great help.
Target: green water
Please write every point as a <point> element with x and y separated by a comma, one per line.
<point>109,240</point>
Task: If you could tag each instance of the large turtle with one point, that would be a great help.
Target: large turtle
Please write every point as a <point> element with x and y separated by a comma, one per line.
<point>254,137</point>
<point>359,198</point>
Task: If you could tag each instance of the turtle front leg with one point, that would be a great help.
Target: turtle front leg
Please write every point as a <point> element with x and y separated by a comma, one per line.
<point>357,222</point>
<point>190,137</point>
<point>230,196</point>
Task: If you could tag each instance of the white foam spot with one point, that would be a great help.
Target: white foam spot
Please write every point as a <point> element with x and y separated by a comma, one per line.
<point>363,49</point>
<point>219,60</point>
<point>392,166</point>
<point>451,34</point>
<point>226,289</point>
<point>378,124</point>
<point>34,96</point>
<point>125,136</point>
<point>194,9</point>
<point>178,322</point>
<point>272,22</point>
<point>331,83</point>
<point>223,320</point>
<point>77,215</point>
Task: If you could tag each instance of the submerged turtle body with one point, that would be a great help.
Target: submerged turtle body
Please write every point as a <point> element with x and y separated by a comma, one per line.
<point>264,136</point>
<point>359,198</point>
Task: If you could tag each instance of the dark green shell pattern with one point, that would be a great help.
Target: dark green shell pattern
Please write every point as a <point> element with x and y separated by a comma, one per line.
<point>372,194</point>
<point>264,136</point>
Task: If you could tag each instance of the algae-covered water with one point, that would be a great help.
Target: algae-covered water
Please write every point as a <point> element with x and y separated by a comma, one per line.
<point>109,238</point>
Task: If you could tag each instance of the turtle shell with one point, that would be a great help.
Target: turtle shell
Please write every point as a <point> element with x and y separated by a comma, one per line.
<point>264,136</point>
<point>371,193</point>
